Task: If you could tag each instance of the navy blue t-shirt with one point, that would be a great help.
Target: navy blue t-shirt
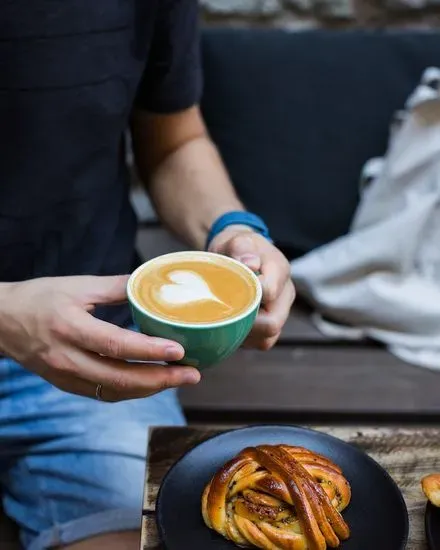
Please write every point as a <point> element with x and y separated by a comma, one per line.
<point>71,72</point>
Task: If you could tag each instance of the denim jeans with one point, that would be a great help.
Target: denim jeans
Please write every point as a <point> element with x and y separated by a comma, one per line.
<point>72,467</point>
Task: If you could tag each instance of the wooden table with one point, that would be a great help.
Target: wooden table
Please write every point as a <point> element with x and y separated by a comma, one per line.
<point>406,453</point>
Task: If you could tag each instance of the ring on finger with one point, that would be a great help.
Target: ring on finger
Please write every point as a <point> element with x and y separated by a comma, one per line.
<point>98,393</point>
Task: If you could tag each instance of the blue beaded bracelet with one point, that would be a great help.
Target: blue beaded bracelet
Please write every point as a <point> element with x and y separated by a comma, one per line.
<point>238,218</point>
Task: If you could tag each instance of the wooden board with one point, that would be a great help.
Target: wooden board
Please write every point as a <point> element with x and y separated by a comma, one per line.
<point>407,453</point>
<point>316,379</point>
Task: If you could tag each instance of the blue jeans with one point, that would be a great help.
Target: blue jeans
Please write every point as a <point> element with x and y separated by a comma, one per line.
<point>71,467</point>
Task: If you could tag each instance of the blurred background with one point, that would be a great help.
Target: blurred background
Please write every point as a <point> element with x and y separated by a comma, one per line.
<point>295,64</point>
<point>306,14</point>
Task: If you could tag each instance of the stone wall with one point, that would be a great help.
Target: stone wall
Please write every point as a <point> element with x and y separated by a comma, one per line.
<point>305,14</point>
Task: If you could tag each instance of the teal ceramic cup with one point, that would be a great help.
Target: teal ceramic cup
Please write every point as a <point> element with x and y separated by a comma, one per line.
<point>205,344</point>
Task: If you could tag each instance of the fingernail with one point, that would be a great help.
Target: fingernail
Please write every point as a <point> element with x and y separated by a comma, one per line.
<point>172,353</point>
<point>191,376</point>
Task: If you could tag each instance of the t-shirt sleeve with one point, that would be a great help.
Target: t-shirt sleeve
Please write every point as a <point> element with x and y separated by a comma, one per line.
<point>172,80</point>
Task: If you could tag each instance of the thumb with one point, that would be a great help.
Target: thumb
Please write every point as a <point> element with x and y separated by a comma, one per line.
<point>105,290</point>
<point>243,248</point>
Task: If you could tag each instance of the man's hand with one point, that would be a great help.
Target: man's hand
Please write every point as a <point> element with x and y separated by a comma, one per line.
<point>243,244</point>
<point>46,325</point>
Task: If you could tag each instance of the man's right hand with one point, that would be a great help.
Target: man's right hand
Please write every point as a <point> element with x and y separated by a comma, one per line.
<point>46,325</point>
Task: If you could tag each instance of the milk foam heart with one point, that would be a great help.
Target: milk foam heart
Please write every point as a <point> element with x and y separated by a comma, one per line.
<point>194,288</point>
<point>187,287</point>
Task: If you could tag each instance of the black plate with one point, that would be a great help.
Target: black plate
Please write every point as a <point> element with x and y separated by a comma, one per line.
<point>377,514</point>
<point>432,525</point>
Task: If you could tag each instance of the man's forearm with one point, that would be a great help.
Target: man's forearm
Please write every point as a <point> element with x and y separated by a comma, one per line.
<point>190,189</point>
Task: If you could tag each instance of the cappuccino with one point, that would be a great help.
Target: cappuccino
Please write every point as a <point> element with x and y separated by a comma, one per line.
<point>194,288</point>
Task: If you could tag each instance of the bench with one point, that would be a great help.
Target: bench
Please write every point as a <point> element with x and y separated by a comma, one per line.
<point>306,376</point>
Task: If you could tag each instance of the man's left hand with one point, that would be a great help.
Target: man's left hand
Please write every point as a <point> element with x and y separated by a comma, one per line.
<point>253,250</point>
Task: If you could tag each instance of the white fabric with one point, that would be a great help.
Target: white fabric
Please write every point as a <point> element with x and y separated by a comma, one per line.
<point>382,280</point>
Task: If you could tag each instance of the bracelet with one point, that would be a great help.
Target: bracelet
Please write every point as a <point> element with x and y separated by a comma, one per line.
<point>238,218</point>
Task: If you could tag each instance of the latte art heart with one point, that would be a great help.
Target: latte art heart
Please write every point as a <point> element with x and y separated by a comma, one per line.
<point>187,287</point>
<point>194,289</point>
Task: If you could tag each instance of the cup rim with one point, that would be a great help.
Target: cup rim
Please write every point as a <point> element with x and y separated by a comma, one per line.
<point>182,324</point>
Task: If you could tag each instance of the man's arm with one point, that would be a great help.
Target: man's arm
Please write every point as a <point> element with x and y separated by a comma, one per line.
<point>185,176</point>
<point>183,171</point>
<point>190,189</point>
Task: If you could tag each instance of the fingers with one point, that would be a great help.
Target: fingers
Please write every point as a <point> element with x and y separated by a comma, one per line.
<point>261,256</point>
<point>254,341</point>
<point>275,274</point>
<point>243,248</point>
<point>121,377</point>
<point>160,378</point>
<point>80,373</point>
<point>106,339</point>
<point>273,316</point>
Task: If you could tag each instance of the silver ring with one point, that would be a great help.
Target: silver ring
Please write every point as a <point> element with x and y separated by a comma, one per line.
<point>98,392</point>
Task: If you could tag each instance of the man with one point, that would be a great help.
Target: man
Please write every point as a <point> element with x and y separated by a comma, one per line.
<point>74,75</point>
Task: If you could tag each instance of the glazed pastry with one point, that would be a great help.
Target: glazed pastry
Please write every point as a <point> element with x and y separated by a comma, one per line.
<point>431,488</point>
<point>278,498</point>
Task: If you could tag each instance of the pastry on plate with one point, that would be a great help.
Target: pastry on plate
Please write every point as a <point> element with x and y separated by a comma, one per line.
<point>278,497</point>
<point>431,488</point>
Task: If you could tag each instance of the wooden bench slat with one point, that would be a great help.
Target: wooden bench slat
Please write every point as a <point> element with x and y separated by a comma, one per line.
<point>332,380</point>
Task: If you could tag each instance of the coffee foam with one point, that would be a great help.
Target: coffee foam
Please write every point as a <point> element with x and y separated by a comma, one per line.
<point>184,295</point>
<point>186,287</point>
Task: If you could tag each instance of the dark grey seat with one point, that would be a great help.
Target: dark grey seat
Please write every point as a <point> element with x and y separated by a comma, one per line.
<point>296,115</point>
